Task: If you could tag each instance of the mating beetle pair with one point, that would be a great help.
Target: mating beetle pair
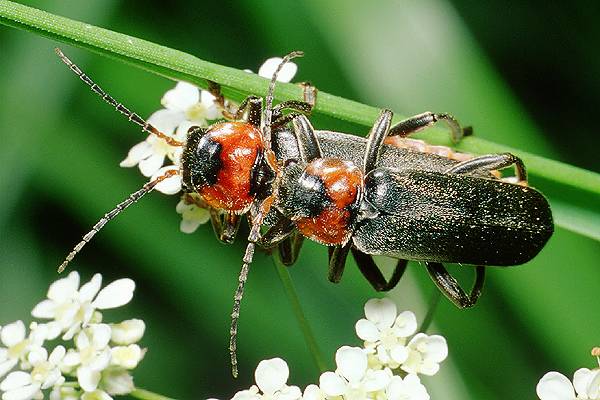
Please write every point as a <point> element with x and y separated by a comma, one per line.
<point>351,194</point>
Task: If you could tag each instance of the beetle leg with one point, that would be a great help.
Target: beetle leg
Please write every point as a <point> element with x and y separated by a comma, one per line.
<point>278,232</point>
<point>418,122</point>
<point>309,93</point>
<point>337,261</point>
<point>290,247</point>
<point>491,162</point>
<point>292,105</point>
<point>450,287</point>
<point>308,144</point>
<point>369,269</point>
<point>229,110</point>
<point>373,274</point>
<point>252,105</point>
<point>225,225</point>
<point>378,133</point>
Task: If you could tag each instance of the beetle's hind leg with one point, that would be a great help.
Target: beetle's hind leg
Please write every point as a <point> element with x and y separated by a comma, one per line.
<point>492,162</point>
<point>450,287</point>
<point>419,122</point>
<point>371,272</point>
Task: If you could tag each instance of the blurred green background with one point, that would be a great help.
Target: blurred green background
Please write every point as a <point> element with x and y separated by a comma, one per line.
<point>521,74</point>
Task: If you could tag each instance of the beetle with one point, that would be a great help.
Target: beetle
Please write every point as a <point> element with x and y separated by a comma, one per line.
<point>444,212</point>
<point>344,191</point>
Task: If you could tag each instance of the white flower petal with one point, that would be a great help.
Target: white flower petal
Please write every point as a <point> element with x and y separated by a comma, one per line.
<point>555,386</point>
<point>166,120</point>
<point>270,66</point>
<point>127,357</point>
<point>332,384</point>
<point>289,393</point>
<point>44,309</point>
<point>114,295</point>
<point>128,332</point>
<point>101,334</point>
<point>22,393</point>
<point>7,365</point>
<point>64,288</point>
<point>367,330</point>
<point>246,395</point>
<point>150,165</point>
<point>399,353</point>
<point>88,379</point>
<point>14,380</point>
<point>593,389</point>
<point>57,355</point>
<point>409,388</point>
<point>406,324</point>
<point>382,312</point>
<point>376,380</point>
<point>184,95</point>
<point>581,380</point>
<point>37,355</point>
<point>96,395</point>
<point>189,225</point>
<point>271,375</point>
<point>117,381</point>
<point>13,333</point>
<point>183,128</point>
<point>313,392</point>
<point>72,358</point>
<point>137,153</point>
<point>351,363</point>
<point>90,289</point>
<point>171,185</point>
<point>437,348</point>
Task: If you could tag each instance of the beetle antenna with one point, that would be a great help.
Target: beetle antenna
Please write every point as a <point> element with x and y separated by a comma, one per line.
<point>266,129</point>
<point>253,237</point>
<point>135,196</point>
<point>146,127</point>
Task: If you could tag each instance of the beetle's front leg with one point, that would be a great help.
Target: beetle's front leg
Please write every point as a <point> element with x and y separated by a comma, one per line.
<point>289,248</point>
<point>225,225</point>
<point>372,273</point>
<point>491,162</point>
<point>337,261</point>
<point>419,122</point>
<point>450,287</point>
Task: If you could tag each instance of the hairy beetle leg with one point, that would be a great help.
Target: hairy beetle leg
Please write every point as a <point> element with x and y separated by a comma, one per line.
<point>419,122</point>
<point>450,287</point>
<point>372,273</point>
<point>492,162</point>
<point>337,261</point>
<point>289,248</point>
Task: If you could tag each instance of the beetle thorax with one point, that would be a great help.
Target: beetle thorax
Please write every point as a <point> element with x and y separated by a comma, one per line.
<point>227,166</point>
<point>322,199</point>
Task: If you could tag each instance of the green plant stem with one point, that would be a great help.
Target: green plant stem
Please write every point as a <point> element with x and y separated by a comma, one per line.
<point>290,291</point>
<point>144,394</point>
<point>433,304</point>
<point>574,192</point>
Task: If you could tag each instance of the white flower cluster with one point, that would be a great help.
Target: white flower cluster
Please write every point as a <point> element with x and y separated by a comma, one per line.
<point>95,365</point>
<point>185,106</point>
<point>586,383</point>
<point>387,367</point>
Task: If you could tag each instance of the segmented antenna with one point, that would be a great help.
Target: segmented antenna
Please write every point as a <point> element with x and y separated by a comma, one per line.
<point>146,127</point>
<point>266,120</point>
<point>263,210</point>
<point>239,292</point>
<point>147,188</point>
